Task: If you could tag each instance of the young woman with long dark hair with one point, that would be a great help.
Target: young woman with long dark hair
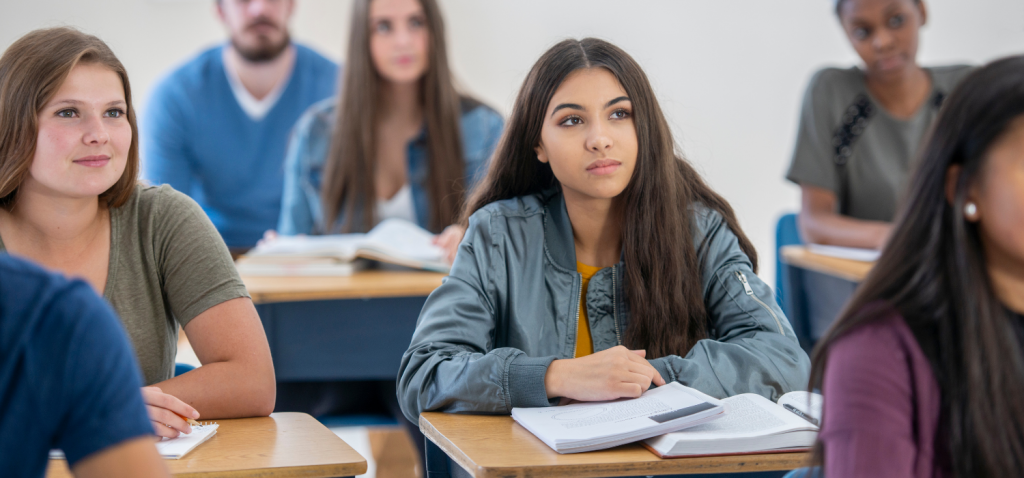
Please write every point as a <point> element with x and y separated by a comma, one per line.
<point>596,262</point>
<point>860,127</point>
<point>399,141</point>
<point>923,373</point>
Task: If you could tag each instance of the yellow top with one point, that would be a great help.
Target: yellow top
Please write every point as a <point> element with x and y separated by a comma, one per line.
<point>584,344</point>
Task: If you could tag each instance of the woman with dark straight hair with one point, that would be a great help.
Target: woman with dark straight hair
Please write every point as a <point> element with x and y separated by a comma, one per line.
<point>400,141</point>
<point>596,263</point>
<point>923,373</point>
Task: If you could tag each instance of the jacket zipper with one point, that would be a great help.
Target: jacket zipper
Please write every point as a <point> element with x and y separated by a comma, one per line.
<point>579,304</point>
<point>615,307</point>
<point>750,292</point>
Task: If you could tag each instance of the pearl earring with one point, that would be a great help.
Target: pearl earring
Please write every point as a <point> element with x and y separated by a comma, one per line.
<point>970,209</point>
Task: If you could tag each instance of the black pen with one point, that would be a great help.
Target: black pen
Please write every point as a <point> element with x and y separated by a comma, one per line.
<point>814,421</point>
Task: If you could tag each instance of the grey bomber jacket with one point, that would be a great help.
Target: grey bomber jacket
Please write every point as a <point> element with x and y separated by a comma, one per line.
<point>485,337</point>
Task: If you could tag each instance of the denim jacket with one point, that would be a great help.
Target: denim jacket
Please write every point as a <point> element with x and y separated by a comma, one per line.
<point>486,336</point>
<point>301,210</point>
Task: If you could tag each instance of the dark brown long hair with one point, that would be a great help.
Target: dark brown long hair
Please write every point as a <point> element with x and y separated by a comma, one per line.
<point>349,170</point>
<point>933,273</point>
<point>32,70</point>
<point>662,273</point>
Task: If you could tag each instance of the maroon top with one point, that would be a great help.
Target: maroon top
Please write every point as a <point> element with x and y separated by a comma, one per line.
<point>882,405</point>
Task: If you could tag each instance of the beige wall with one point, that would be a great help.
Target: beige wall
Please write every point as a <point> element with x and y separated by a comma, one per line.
<point>729,73</point>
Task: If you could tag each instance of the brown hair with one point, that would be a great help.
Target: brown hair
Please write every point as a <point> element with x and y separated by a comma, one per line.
<point>933,273</point>
<point>32,70</point>
<point>351,161</point>
<point>662,274</point>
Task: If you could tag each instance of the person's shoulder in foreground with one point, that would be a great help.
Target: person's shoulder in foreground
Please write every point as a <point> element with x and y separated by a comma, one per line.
<point>68,380</point>
<point>882,402</point>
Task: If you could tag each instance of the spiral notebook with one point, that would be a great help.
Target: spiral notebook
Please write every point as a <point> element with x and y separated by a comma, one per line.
<point>175,448</point>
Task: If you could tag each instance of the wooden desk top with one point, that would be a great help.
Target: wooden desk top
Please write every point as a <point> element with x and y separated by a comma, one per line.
<point>361,285</point>
<point>496,446</point>
<point>284,445</point>
<point>850,270</point>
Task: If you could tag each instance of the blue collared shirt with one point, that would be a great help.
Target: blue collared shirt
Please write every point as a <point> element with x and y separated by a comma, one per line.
<point>301,209</point>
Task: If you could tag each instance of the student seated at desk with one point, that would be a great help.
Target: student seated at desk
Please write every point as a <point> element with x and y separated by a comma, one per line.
<point>68,380</point>
<point>860,128</point>
<point>596,263</point>
<point>70,201</point>
<point>400,141</point>
<point>923,374</point>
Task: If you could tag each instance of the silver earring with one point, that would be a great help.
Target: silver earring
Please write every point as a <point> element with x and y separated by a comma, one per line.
<point>970,209</point>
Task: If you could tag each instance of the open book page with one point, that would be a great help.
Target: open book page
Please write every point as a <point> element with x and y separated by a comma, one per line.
<point>807,402</point>
<point>746,415</point>
<point>591,422</point>
<point>403,239</point>
<point>338,246</point>
<point>852,253</point>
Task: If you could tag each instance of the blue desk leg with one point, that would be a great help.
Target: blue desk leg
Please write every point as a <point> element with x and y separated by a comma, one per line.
<point>437,461</point>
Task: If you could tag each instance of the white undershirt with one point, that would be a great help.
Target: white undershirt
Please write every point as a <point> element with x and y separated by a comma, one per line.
<point>398,207</point>
<point>254,108</point>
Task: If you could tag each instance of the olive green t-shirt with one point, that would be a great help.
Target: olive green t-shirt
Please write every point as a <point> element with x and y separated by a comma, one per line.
<point>881,157</point>
<point>168,264</point>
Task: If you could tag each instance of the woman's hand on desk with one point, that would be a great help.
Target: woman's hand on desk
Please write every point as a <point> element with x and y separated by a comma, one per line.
<point>449,240</point>
<point>166,412</point>
<point>606,375</point>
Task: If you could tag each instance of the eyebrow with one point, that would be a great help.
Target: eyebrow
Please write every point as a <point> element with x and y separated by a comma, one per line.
<point>76,102</point>
<point>575,106</point>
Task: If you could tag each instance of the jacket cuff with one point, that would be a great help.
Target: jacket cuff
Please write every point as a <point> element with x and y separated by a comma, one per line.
<point>526,381</point>
<point>664,368</point>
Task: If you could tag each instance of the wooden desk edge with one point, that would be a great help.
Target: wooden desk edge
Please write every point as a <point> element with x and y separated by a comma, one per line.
<point>304,296</point>
<point>798,256</point>
<point>668,466</point>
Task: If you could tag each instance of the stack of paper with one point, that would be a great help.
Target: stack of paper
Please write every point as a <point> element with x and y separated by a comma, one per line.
<point>599,425</point>
<point>173,448</point>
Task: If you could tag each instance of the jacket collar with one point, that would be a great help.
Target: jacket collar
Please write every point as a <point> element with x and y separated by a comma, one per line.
<point>558,238</point>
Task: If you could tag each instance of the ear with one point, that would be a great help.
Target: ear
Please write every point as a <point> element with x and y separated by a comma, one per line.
<point>219,8</point>
<point>542,154</point>
<point>921,7</point>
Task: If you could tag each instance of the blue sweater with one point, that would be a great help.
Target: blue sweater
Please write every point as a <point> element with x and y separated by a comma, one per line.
<point>196,138</point>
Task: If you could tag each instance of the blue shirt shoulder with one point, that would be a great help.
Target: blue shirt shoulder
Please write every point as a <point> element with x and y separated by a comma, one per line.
<point>68,377</point>
<point>196,138</point>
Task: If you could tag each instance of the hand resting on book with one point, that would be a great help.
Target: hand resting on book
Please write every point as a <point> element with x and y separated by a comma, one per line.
<point>606,375</point>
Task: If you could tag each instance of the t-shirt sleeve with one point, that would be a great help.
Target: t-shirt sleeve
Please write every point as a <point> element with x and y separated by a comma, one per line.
<point>102,403</point>
<point>812,158</point>
<point>195,265</point>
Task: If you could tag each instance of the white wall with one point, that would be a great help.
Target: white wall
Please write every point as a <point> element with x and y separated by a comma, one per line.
<point>729,74</point>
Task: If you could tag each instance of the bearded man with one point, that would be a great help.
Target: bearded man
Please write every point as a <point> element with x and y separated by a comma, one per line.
<point>217,127</point>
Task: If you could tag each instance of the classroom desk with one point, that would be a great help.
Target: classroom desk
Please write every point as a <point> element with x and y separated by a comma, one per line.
<point>283,445</point>
<point>495,446</point>
<point>340,328</point>
<point>817,288</point>
<point>800,256</point>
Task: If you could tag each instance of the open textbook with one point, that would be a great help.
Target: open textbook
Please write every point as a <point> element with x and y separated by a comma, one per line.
<point>394,241</point>
<point>175,448</point>
<point>852,253</point>
<point>598,425</point>
<point>751,424</point>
